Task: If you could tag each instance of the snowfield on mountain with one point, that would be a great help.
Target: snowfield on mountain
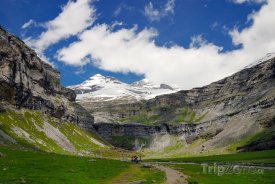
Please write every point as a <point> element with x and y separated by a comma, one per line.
<point>100,88</point>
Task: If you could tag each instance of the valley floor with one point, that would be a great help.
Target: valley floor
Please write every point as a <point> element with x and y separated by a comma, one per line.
<point>26,166</point>
<point>30,166</point>
<point>241,168</point>
<point>196,175</point>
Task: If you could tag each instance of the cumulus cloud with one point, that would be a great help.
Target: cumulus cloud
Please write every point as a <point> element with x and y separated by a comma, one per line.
<point>249,1</point>
<point>75,17</point>
<point>154,14</point>
<point>129,50</point>
<point>259,38</point>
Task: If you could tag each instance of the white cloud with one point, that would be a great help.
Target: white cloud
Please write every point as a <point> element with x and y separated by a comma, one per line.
<point>116,24</point>
<point>197,41</point>
<point>151,13</point>
<point>169,7</point>
<point>28,24</point>
<point>154,14</point>
<point>127,50</point>
<point>249,1</point>
<point>117,11</point>
<point>75,17</point>
<point>214,25</point>
<point>258,38</point>
<point>121,7</point>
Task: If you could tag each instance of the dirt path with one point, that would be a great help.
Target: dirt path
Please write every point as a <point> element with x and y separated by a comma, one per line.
<point>172,176</point>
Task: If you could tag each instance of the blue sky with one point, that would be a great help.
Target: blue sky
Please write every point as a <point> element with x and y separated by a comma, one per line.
<point>163,40</point>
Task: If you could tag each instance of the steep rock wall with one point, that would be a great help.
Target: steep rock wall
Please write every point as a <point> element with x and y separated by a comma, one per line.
<point>28,82</point>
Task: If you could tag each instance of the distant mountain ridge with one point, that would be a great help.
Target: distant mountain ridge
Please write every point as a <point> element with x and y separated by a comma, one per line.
<point>109,88</point>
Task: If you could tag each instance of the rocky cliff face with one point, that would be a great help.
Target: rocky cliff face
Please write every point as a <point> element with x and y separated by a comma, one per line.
<point>107,130</point>
<point>28,82</point>
<point>135,136</point>
<point>225,112</point>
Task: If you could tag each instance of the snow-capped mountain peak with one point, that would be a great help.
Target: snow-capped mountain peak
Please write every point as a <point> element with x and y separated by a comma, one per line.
<point>109,88</point>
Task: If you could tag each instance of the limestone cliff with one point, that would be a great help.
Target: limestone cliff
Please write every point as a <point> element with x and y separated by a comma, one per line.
<point>28,82</point>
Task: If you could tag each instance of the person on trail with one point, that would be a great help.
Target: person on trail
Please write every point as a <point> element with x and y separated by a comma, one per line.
<point>132,158</point>
<point>135,159</point>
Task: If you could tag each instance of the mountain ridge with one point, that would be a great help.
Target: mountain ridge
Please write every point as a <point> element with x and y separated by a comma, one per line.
<point>110,88</point>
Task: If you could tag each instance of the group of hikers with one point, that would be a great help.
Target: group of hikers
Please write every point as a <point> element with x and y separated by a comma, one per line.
<point>136,159</point>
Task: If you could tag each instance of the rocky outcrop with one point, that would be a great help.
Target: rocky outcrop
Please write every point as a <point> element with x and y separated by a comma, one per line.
<point>28,82</point>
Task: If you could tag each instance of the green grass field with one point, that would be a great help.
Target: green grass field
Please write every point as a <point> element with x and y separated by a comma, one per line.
<point>225,175</point>
<point>197,176</point>
<point>19,166</point>
<point>21,162</point>
<point>259,157</point>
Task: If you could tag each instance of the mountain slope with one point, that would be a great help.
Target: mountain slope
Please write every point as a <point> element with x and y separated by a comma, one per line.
<point>221,117</point>
<point>35,110</point>
<point>239,108</point>
<point>99,92</point>
<point>35,129</point>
